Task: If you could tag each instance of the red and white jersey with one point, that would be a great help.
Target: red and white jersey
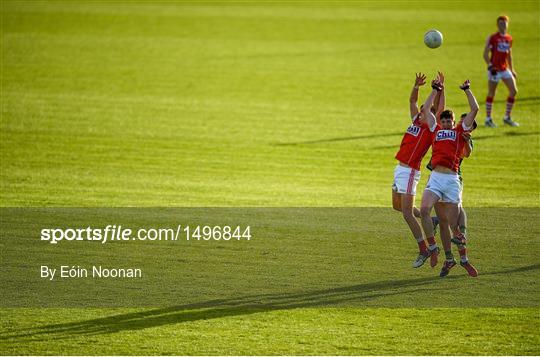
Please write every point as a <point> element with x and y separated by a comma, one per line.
<point>448,147</point>
<point>415,143</point>
<point>500,46</point>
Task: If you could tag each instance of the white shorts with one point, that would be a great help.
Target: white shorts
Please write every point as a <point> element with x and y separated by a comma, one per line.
<point>405,180</point>
<point>500,75</point>
<point>447,186</point>
<point>460,195</point>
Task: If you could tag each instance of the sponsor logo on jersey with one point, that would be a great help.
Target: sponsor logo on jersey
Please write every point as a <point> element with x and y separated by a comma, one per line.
<point>445,135</point>
<point>413,130</point>
<point>503,46</point>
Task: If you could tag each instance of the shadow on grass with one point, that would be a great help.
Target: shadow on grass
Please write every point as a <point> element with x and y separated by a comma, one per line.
<point>501,101</point>
<point>396,145</point>
<point>346,138</point>
<point>505,134</point>
<point>520,101</point>
<point>239,306</point>
<point>480,137</point>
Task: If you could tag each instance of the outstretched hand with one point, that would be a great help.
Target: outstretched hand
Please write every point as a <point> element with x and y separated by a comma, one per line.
<point>437,85</point>
<point>420,79</point>
<point>466,85</point>
<point>440,77</point>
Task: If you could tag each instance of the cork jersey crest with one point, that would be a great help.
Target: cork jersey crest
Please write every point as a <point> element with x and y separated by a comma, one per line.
<point>413,130</point>
<point>445,135</point>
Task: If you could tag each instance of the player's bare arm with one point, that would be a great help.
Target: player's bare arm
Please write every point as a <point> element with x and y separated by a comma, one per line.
<point>441,105</point>
<point>486,53</point>
<point>440,99</point>
<point>426,112</point>
<point>511,64</point>
<point>467,149</point>
<point>473,104</point>
<point>420,80</point>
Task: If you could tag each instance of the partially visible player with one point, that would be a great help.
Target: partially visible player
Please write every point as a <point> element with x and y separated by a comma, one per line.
<point>440,209</point>
<point>498,57</point>
<point>444,184</point>
<point>414,145</point>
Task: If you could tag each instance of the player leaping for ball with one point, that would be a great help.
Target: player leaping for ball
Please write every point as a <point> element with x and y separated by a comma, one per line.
<point>440,209</point>
<point>414,145</point>
<point>444,183</point>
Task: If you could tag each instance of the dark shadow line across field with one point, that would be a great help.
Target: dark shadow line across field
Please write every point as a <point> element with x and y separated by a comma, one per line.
<point>382,147</point>
<point>506,134</point>
<point>480,137</point>
<point>518,100</point>
<point>243,305</point>
<point>501,101</point>
<point>180,314</point>
<point>359,137</point>
<point>346,138</point>
<point>203,311</point>
<point>310,54</point>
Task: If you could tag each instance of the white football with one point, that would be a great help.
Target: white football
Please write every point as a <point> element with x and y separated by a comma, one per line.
<point>433,39</point>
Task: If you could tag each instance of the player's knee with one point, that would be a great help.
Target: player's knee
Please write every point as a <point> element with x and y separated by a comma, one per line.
<point>396,206</point>
<point>425,211</point>
<point>491,91</point>
<point>443,221</point>
<point>407,214</point>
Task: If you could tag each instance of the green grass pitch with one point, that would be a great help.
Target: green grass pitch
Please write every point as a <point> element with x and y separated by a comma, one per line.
<point>272,104</point>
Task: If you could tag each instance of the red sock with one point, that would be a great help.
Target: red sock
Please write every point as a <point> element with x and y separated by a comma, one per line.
<point>422,246</point>
<point>509,104</point>
<point>463,254</point>
<point>431,241</point>
<point>489,105</point>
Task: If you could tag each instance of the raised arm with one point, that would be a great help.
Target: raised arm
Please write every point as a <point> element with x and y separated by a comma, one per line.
<point>440,100</point>
<point>426,110</point>
<point>413,99</point>
<point>473,104</point>
<point>440,107</point>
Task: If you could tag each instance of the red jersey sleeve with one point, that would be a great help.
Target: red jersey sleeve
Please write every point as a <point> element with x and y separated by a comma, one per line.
<point>460,129</point>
